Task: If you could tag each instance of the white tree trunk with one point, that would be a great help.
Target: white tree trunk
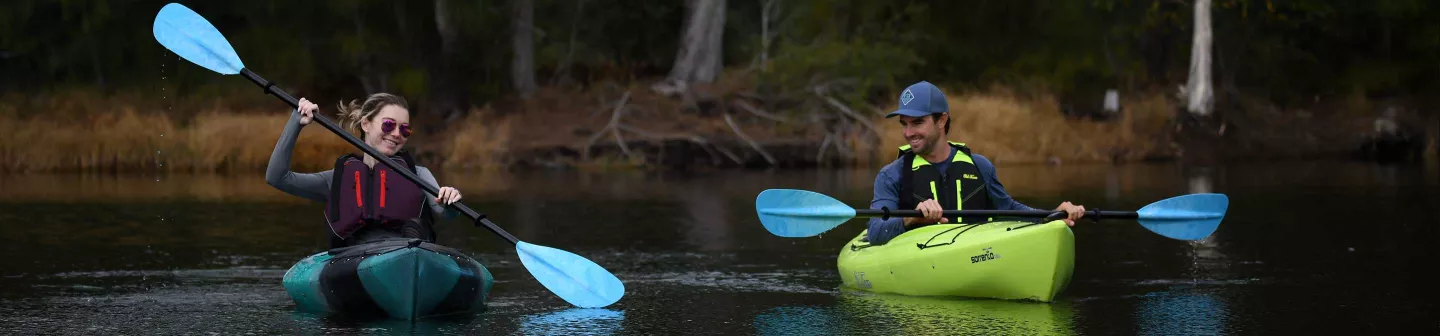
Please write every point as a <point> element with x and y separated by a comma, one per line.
<point>699,58</point>
<point>445,99</point>
<point>449,36</point>
<point>1201,97</point>
<point>765,11</point>
<point>522,67</point>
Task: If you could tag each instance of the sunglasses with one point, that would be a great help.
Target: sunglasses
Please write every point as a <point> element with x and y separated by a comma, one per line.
<point>388,125</point>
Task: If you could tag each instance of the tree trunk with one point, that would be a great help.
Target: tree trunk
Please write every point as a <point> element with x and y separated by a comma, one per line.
<point>95,64</point>
<point>372,79</point>
<point>765,11</point>
<point>522,67</point>
<point>563,69</point>
<point>1200,95</point>
<point>699,58</point>
<point>449,37</point>
<point>447,104</point>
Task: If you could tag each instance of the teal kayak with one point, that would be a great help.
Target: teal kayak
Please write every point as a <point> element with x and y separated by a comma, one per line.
<point>399,278</point>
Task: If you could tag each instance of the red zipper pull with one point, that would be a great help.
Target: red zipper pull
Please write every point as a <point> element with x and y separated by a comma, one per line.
<point>359,201</point>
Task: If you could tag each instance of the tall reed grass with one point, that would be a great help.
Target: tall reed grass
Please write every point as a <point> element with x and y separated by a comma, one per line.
<point>1007,127</point>
<point>81,131</point>
<point>116,136</point>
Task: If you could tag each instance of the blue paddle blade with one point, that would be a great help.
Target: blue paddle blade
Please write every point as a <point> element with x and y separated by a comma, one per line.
<point>189,35</point>
<point>1189,217</point>
<point>573,278</point>
<point>800,213</point>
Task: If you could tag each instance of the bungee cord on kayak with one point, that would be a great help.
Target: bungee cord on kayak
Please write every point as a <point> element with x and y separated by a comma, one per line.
<point>966,228</point>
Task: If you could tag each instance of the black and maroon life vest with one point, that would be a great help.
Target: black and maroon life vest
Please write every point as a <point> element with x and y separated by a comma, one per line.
<point>360,195</point>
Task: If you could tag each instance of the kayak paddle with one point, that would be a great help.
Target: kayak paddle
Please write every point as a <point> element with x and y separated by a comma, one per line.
<point>573,278</point>
<point>800,213</point>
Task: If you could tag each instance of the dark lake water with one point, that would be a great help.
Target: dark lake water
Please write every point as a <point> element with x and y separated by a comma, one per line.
<point>1323,247</point>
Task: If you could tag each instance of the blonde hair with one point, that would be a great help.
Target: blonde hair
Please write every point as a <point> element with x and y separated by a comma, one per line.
<point>351,114</point>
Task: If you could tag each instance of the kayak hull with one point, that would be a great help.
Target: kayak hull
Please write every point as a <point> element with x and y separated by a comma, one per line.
<point>396,278</point>
<point>999,260</point>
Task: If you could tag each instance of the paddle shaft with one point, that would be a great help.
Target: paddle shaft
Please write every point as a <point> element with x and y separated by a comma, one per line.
<point>1094,214</point>
<point>480,218</point>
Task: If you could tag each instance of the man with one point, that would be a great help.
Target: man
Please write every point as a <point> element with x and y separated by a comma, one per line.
<point>933,174</point>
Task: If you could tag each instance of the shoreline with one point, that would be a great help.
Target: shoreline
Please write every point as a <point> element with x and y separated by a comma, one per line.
<point>1023,180</point>
<point>647,131</point>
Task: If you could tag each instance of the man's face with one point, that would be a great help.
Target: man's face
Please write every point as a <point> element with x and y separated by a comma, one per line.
<point>922,133</point>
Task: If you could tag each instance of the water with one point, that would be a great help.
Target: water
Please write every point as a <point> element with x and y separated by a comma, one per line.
<point>1305,247</point>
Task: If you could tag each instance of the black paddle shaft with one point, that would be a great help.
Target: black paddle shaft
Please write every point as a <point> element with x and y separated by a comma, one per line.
<point>480,218</point>
<point>1048,214</point>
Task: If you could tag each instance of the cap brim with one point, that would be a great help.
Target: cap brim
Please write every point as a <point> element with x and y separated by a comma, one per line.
<point>910,113</point>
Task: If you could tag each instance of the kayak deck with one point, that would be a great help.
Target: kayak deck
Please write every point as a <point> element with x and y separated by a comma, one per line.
<point>399,278</point>
<point>1001,260</point>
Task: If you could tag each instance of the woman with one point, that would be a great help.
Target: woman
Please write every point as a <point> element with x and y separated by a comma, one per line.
<point>365,201</point>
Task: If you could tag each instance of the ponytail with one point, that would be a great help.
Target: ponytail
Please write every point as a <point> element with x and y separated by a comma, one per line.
<point>353,113</point>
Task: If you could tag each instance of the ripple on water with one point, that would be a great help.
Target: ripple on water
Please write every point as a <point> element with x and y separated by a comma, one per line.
<point>735,282</point>
<point>243,272</point>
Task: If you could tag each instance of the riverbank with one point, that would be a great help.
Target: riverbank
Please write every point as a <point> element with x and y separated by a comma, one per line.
<point>712,127</point>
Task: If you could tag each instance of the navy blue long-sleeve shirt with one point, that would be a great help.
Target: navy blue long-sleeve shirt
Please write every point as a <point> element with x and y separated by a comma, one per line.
<point>887,194</point>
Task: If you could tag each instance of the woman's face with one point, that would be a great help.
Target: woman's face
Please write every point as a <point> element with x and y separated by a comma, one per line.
<point>388,129</point>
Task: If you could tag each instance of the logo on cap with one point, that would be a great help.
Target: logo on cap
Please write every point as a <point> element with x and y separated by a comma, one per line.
<point>906,97</point>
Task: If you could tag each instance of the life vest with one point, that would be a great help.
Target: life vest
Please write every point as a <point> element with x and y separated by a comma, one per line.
<point>360,196</point>
<point>959,188</point>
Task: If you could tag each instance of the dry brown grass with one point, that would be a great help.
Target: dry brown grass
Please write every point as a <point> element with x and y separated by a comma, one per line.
<point>1003,126</point>
<point>90,132</point>
<point>108,135</point>
<point>478,142</point>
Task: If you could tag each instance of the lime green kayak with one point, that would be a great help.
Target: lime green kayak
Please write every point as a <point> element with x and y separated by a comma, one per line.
<point>1001,260</point>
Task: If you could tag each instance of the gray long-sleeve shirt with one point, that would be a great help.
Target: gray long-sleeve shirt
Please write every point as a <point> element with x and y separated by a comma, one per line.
<point>316,186</point>
<point>887,194</point>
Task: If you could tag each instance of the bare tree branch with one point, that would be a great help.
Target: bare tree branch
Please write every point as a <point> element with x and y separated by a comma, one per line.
<point>610,127</point>
<point>820,155</point>
<point>756,111</point>
<point>747,140</point>
<point>850,113</point>
<point>699,140</point>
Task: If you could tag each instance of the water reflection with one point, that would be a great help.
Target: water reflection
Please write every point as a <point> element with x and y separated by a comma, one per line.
<point>1181,313</point>
<point>798,321</point>
<point>950,316</point>
<point>1112,186</point>
<point>709,223</point>
<point>1205,255</point>
<point>574,321</point>
<point>313,324</point>
<point>1200,181</point>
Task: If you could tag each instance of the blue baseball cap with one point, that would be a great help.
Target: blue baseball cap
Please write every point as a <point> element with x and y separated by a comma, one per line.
<point>921,99</point>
